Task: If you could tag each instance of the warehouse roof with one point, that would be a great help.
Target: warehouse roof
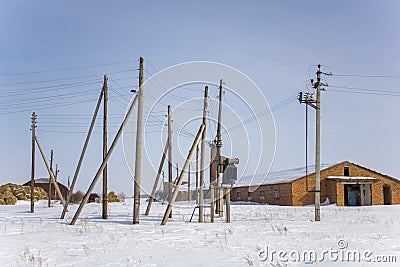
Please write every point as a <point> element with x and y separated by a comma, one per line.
<point>279,177</point>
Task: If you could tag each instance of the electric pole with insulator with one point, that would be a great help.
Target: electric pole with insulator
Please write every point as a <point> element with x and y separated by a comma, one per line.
<point>51,169</point>
<point>316,104</point>
<point>33,129</point>
<point>139,143</point>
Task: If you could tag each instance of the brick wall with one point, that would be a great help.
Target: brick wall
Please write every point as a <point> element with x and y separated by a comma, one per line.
<point>296,194</point>
<point>335,190</point>
<point>282,197</point>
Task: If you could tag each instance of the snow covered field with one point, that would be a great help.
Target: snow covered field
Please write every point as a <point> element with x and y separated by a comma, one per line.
<point>256,231</point>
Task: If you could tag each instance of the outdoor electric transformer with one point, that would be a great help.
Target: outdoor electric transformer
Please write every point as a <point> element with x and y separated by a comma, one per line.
<point>229,170</point>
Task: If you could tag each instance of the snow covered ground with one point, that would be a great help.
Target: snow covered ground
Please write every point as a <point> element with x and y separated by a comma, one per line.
<point>255,232</point>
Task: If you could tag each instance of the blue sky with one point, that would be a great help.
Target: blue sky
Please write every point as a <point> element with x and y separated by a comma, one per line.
<point>273,42</point>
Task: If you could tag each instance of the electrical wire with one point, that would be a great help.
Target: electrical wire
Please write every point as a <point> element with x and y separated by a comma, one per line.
<point>64,69</point>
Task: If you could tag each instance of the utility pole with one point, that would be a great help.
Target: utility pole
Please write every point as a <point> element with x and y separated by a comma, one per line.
<point>197,174</point>
<point>218,143</point>
<point>33,128</point>
<point>202,158</point>
<point>51,168</point>
<point>317,148</point>
<point>169,114</point>
<point>189,196</point>
<point>139,143</point>
<point>316,104</point>
<point>55,178</point>
<point>307,98</point>
<point>105,125</point>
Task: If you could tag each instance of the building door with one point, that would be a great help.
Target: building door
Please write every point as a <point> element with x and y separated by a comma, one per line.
<point>387,195</point>
<point>352,198</point>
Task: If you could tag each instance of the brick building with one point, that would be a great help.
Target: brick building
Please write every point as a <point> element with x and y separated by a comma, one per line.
<point>345,183</point>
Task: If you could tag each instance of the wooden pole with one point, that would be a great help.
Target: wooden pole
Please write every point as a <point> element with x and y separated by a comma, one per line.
<point>153,192</point>
<point>105,125</point>
<point>202,157</point>
<point>52,178</point>
<point>182,175</point>
<point>197,174</point>
<point>228,205</point>
<point>78,167</point>
<point>51,168</point>
<point>212,193</point>
<point>56,177</point>
<point>189,196</point>
<point>114,143</point>
<point>33,128</point>
<point>169,153</point>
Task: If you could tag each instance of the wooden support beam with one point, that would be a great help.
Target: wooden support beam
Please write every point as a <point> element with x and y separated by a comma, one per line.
<point>78,167</point>
<point>51,168</point>
<point>212,193</point>
<point>228,204</point>
<point>182,175</point>
<point>100,170</point>
<point>202,159</point>
<point>153,192</point>
<point>52,178</point>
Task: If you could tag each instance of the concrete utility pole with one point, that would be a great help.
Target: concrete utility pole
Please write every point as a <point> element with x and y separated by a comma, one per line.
<point>33,128</point>
<point>202,157</point>
<point>139,143</point>
<point>169,152</point>
<point>51,168</point>
<point>317,148</point>
<point>218,143</point>
<point>105,124</point>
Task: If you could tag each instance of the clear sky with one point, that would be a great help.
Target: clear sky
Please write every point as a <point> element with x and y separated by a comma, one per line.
<point>54,53</point>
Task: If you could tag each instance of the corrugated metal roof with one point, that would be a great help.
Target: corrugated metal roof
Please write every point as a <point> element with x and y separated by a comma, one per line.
<point>279,177</point>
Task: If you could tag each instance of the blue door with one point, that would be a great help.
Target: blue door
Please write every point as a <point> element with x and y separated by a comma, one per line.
<point>353,198</point>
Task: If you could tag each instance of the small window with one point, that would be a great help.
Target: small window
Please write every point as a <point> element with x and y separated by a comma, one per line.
<point>238,195</point>
<point>249,195</point>
<point>276,193</point>
<point>262,194</point>
<point>346,171</point>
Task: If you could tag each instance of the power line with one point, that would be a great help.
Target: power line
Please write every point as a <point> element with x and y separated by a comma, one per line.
<point>64,69</point>
<point>364,89</point>
<point>64,79</point>
<point>367,76</point>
